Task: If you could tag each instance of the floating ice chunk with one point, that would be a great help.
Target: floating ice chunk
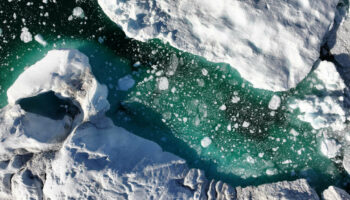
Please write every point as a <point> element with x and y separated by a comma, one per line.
<point>245,124</point>
<point>223,107</point>
<point>0,32</point>
<point>78,12</point>
<point>137,64</point>
<point>341,48</point>
<point>163,83</point>
<point>174,63</point>
<point>241,33</point>
<point>298,189</point>
<point>26,36</point>
<point>235,99</point>
<point>294,132</point>
<point>39,38</point>
<point>287,162</point>
<point>125,83</point>
<point>275,102</point>
<point>346,160</point>
<point>330,148</point>
<point>334,193</point>
<point>271,172</point>
<point>229,127</point>
<point>327,110</point>
<point>57,72</point>
<point>204,72</point>
<point>328,74</point>
<point>250,160</point>
<point>322,112</point>
<point>205,142</point>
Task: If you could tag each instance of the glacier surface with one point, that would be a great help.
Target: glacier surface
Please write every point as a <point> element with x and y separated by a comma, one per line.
<point>272,44</point>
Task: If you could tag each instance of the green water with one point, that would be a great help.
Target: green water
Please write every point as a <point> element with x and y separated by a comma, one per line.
<point>191,109</point>
<point>55,108</point>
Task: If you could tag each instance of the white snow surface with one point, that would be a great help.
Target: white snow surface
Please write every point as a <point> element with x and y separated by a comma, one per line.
<point>334,193</point>
<point>40,39</point>
<point>163,83</point>
<point>206,142</point>
<point>26,36</point>
<point>330,148</point>
<point>68,74</point>
<point>327,110</point>
<point>275,102</point>
<point>78,12</point>
<point>273,44</point>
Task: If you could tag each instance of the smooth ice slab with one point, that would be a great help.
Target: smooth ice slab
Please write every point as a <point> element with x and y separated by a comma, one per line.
<point>273,44</point>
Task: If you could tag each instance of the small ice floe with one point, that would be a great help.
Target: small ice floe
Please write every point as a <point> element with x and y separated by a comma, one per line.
<point>137,64</point>
<point>39,38</point>
<point>26,36</point>
<point>223,107</point>
<point>245,124</point>
<point>204,72</point>
<point>275,102</point>
<point>330,147</point>
<point>235,99</point>
<point>205,142</point>
<point>163,83</point>
<point>293,132</point>
<point>271,172</point>
<point>78,12</point>
<point>125,83</point>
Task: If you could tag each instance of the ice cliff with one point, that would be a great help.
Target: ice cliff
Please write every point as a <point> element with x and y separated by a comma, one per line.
<point>273,44</point>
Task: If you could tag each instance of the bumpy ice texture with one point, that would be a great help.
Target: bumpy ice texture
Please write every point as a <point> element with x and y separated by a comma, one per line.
<point>273,44</point>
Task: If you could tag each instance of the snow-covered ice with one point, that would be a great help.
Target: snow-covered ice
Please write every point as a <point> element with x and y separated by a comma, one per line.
<point>163,83</point>
<point>68,74</point>
<point>327,110</point>
<point>78,12</point>
<point>298,189</point>
<point>339,42</point>
<point>275,102</point>
<point>40,39</point>
<point>206,142</point>
<point>334,193</point>
<point>330,148</point>
<point>273,44</point>
<point>26,36</point>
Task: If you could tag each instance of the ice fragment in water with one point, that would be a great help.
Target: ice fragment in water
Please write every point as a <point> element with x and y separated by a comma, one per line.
<point>163,83</point>
<point>26,36</point>
<point>78,12</point>
<point>275,102</point>
<point>205,142</point>
<point>39,38</point>
<point>125,83</point>
<point>330,148</point>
